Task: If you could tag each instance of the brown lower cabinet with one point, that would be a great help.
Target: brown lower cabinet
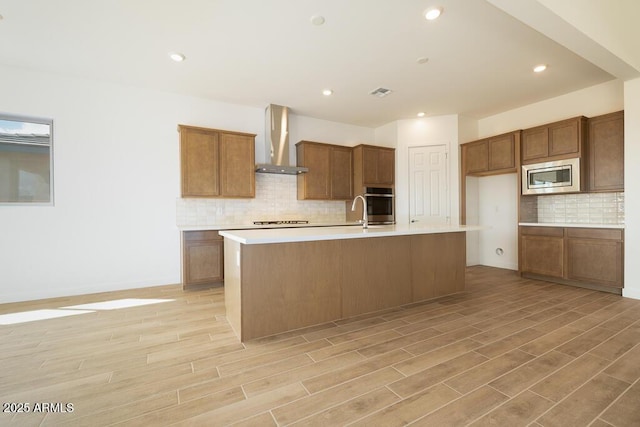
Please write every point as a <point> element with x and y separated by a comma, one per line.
<point>595,256</point>
<point>542,251</point>
<point>202,258</point>
<point>590,257</point>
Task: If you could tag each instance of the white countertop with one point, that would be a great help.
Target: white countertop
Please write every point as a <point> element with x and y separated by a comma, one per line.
<point>309,234</point>
<point>569,224</point>
<point>218,227</point>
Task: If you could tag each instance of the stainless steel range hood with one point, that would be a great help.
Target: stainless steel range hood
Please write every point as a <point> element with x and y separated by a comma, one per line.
<point>277,143</point>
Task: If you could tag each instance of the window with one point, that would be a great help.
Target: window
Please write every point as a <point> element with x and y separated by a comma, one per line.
<point>26,160</point>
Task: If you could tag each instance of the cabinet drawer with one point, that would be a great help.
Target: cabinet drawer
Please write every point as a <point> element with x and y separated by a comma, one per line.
<point>194,236</point>
<point>542,231</point>
<point>595,233</point>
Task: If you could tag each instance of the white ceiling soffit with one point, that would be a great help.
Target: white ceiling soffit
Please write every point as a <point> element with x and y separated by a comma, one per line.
<point>556,27</point>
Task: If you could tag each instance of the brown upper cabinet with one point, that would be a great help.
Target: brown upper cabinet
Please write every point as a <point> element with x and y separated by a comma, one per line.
<point>491,156</point>
<point>330,173</point>
<point>554,141</point>
<point>605,148</point>
<point>373,166</point>
<point>216,163</point>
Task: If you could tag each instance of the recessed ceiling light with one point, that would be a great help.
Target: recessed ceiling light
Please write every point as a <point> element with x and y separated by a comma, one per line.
<point>539,68</point>
<point>327,92</point>
<point>420,114</point>
<point>422,60</point>
<point>178,57</point>
<point>317,20</point>
<point>433,13</point>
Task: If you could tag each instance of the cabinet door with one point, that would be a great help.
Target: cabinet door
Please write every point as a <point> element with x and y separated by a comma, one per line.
<point>386,166</point>
<point>199,163</point>
<point>595,261</point>
<point>595,255</point>
<point>341,173</point>
<point>237,165</point>
<point>542,251</point>
<point>315,184</point>
<point>535,144</point>
<point>502,153</point>
<point>369,166</point>
<point>564,138</point>
<point>476,157</point>
<point>203,258</point>
<point>606,152</point>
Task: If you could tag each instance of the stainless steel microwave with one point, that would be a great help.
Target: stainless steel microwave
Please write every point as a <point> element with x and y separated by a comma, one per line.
<point>561,176</point>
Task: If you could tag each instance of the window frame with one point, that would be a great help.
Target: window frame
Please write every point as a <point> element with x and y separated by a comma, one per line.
<point>42,121</point>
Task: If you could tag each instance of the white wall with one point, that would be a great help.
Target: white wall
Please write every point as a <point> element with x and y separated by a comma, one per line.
<point>594,101</point>
<point>116,178</point>
<point>116,181</point>
<point>311,129</point>
<point>387,135</point>
<point>467,129</point>
<point>473,218</point>
<point>440,130</point>
<point>632,188</point>
<point>500,213</point>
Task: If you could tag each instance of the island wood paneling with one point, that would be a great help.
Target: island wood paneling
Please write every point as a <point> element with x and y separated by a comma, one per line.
<point>287,286</point>
<point>438,265</point>
<point>376,274</point>
<point>279,287</point>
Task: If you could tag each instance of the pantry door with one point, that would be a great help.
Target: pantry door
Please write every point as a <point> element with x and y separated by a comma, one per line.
<point>429,185</point>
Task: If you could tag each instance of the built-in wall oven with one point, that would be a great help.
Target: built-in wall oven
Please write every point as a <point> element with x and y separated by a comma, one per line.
<point>380,205</point>
<point>561,176</point>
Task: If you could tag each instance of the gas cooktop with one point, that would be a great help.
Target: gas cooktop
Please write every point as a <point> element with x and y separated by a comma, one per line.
<point>281,222</point>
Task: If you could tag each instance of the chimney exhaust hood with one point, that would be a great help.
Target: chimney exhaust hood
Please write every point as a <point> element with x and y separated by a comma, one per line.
<point>277,143</point>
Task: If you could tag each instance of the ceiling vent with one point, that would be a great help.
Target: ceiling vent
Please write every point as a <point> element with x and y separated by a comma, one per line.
<point>380,92</point>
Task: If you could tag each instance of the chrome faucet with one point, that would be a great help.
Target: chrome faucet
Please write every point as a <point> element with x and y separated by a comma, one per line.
<point>365,218</point>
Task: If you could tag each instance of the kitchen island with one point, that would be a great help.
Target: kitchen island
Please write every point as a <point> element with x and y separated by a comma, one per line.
<point>278,280</point>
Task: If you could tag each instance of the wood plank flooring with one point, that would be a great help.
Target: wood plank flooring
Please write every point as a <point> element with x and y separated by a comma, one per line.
<point>507,352</point>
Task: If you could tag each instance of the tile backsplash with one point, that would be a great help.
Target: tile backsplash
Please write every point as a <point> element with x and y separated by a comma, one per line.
<point>276,199</point>
<point>583,208</point>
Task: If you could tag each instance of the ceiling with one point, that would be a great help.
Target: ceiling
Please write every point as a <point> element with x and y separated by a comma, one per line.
<point>257,52</point>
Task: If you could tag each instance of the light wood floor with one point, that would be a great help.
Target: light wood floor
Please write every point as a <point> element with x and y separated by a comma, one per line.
<point>507,352</point>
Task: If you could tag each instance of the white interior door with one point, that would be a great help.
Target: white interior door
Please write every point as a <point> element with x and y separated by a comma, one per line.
<point>429,185</point>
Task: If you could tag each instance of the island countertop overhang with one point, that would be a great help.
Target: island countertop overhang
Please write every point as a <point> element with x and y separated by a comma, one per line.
<point>310,234</point>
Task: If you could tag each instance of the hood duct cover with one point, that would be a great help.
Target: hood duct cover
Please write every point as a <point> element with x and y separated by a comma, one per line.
<point>277,143</point>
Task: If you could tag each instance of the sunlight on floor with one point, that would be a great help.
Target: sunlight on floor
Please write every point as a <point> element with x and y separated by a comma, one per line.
<point>118,303</point>
<point>30,316</point>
